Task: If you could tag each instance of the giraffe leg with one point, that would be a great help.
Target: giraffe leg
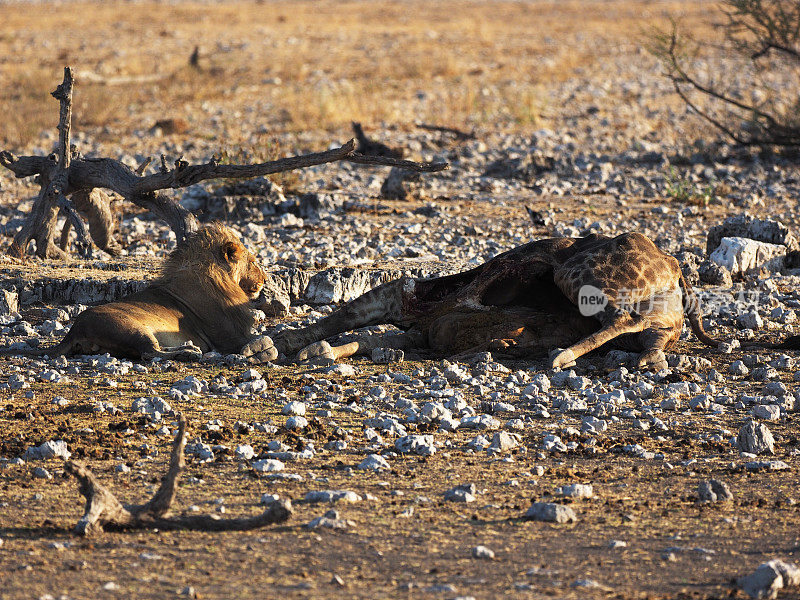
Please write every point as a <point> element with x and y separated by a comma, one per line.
<point>653,342</point>
<point>615,324</point>
<point>323,353</point>
<point>383,304</point>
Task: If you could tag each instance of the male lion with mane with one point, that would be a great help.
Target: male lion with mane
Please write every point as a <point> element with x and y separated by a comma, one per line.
<point>201,301</point>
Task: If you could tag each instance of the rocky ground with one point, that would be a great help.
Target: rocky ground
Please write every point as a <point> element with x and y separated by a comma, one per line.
<point>481,478</point>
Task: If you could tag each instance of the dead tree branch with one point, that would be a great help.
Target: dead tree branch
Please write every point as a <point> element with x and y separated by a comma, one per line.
<point>104,511</point>
<point>409,165</point>
<point>762,37</point>
<point>52,197</point>
<point>67,175</point>
<point>459,134</point>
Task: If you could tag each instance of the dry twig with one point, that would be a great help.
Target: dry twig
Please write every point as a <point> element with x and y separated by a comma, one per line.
<point>764,36</point>
<point>459,134</point>
<point>104,511</point>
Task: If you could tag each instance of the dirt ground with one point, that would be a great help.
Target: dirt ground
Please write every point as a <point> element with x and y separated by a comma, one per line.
<point>675,547</point>
<point>293,75</point>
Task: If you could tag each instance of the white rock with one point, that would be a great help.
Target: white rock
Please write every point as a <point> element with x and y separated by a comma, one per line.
<point>576,490</point>
<point>332,496</point>
<point>151,406</point>
<point>251,375</point>
<point>766,465</point>
<point>416,444</point>
<point>374,462</point>
<point>548,511</point>
<point>461,493</point>
<point>743,256</point>
<point>289,220</point>
<point>479,442</point>
<point>42,473</point>
<point>482,552</point>
<point>713,490</point>
<point>553,443</point>
<point>386,356</point>
<point>755,438</point>
<point>767,412</point>
<point>48,450</point>
<point>480,422</point>
<point>294,408</point>
<point>502,442</point>
<point>591,424</point>
<point>201,450</point>
<point>768,578</point>
<point>330,520</point>
<point>268,465</point>
<point>738,368</point>
<point>342,370</point>
<point>297,422</point>
<point>750,320</point>
<point>244,452</point>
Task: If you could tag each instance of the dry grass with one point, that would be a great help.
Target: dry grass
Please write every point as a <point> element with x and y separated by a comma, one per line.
<point>301,66</point>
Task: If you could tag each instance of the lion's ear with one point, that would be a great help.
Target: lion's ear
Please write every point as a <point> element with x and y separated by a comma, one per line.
<point>232,251</point>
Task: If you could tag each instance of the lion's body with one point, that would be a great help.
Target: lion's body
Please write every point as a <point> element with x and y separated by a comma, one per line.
<point>202,301</point>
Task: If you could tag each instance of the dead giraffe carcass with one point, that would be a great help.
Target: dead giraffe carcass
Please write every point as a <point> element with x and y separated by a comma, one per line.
<point>524,302</point>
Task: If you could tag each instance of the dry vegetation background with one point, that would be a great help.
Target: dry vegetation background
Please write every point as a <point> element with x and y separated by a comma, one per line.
<point>313,66</point>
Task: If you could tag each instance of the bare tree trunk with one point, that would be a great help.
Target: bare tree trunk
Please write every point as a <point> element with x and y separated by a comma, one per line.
<point>40,225</point>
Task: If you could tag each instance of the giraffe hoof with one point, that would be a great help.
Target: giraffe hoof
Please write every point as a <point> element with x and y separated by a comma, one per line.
<point>318,353</point>
<point>562,358</point>
<point>654,360</point>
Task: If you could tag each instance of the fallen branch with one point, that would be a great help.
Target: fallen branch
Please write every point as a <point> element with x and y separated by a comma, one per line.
<point>409,165</point>
<point>69,182</point>
<point>370,147</point>
<point>104,511</point>
<point>54,182</point>
<point>459,134</point>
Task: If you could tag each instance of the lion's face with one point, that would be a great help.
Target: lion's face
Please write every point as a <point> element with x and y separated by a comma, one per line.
<point>249,275</point>
<point>244,269</point>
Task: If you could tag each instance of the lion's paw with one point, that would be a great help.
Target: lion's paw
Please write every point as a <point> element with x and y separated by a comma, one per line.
<point>318,353</point>
<point>260,349</point>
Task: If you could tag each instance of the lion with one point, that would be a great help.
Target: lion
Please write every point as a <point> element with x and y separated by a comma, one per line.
<point>202,300</point>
